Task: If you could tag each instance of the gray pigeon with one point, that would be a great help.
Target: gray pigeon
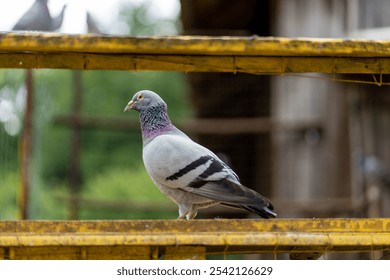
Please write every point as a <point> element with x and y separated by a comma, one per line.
<point>188,173</point>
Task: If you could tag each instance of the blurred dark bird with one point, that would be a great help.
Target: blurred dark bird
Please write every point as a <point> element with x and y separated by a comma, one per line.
<point>92,24</point>
<point>38,18</point>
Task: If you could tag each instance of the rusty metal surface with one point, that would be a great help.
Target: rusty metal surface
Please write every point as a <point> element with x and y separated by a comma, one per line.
<point>121,239</point>
<point>198,45</point>
<point>257,55</point>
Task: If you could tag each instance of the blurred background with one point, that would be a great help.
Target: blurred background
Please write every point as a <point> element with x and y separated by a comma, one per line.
<point>316,147</point>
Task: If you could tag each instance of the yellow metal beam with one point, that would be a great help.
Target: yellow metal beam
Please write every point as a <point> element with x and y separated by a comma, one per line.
<point>195,45</point>
<point>164,238</point>
<point>257,55</point>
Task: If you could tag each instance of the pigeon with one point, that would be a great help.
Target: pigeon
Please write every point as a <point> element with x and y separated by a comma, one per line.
<point>191,175</point>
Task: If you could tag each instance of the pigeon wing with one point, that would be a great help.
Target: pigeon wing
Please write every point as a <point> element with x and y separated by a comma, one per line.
<point>177,162</point>
<point>233,194</point>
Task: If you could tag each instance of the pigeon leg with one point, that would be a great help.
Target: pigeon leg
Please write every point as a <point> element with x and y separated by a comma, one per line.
<point>192,213</point>
<point>188,212</point>
<point>183,211</point>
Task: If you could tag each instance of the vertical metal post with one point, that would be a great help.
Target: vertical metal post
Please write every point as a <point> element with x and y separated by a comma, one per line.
<point>26,149</point>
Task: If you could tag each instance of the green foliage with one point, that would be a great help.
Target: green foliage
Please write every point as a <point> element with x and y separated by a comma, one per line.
<point>52,203</point>
<point>8,194</point>
<point>140,19</point>
<point>120,182</point>
<point>8,151</point>
<point>122,185</point>
<point>11,78</point>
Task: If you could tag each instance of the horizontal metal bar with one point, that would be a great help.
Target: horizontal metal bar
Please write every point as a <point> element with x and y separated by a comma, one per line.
<point>369,225</point>
<point>196,63</point>
<point>280,232</point>
<point>255,55</point>
<point>195,45</point>
<point>151,239</point>
<point>271,240</point>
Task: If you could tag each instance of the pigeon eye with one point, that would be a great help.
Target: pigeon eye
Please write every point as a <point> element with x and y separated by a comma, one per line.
<point>139,97</point>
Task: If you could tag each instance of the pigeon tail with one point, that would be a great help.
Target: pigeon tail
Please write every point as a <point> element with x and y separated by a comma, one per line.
<point>265,212</point>
<point>256,203</point>
<point>233,194</point>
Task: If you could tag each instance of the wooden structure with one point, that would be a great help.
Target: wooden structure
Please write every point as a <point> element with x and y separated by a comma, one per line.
<point>196,239</point>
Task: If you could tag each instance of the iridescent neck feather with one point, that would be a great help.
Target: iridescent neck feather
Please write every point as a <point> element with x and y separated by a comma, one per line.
<point>154,121</point>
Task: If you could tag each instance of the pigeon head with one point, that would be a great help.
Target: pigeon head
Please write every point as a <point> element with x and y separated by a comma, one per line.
<point>144,100</point>
<point>152,109</point>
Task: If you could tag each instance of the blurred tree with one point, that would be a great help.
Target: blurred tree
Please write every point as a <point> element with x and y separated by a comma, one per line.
<point>142,19</point>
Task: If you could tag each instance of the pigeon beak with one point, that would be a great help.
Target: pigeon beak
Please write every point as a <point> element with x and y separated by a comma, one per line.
<point>129,106</point>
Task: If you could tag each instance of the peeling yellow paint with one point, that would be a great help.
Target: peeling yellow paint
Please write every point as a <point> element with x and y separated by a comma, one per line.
<point>256,55</point>
<point>150,239</point>
<point>197,45</point>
